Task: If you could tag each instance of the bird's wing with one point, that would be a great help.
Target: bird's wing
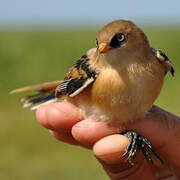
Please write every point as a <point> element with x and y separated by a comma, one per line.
<point>78,78</point>
<point>162,58</point>
<point>82,74</point>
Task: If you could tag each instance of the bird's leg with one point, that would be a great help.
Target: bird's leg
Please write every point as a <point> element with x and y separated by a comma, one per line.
<point>138,142</point>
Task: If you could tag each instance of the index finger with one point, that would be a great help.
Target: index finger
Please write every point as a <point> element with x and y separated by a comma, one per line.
<point>59,116</point>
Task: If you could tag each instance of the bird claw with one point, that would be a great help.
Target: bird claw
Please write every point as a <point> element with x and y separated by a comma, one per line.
<point>138,142</point>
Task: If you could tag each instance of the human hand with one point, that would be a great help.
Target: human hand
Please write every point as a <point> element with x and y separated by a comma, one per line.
<point>66,124</point>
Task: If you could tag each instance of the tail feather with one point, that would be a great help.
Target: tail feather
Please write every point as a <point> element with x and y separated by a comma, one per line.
<point>47,102</point>
<point>42,98</point>
<point>48,86</point>
<point>45,94</point>
<point>38,99</point>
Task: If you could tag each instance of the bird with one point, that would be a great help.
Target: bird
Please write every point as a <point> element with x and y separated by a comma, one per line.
<point>117,81</point>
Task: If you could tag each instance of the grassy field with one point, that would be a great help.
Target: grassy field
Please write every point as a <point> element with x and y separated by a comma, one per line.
<point>27,151</point>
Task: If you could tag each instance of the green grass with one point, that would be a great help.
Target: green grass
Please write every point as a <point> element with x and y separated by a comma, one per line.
<point>27,150</point>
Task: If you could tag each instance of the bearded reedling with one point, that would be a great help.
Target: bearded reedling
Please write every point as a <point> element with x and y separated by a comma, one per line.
<point>118,81</point>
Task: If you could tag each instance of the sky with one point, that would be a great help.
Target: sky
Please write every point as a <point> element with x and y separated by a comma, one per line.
<point>25,13</point>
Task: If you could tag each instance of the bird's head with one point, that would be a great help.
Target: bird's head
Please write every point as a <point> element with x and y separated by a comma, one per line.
<point>121,38</point>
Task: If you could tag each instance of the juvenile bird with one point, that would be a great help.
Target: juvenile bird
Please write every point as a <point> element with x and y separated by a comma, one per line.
<point>117,81</point>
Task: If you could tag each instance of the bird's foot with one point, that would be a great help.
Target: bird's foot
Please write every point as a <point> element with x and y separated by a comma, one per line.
<point>137,143</point>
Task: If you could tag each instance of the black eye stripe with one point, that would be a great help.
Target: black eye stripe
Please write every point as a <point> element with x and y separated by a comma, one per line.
<point>117,40</point>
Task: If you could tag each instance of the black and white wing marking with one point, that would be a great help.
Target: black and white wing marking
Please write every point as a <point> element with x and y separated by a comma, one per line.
<point>162,58</point>
<point>82,74</point>
<point>72,87</point>
<point>77,79</point>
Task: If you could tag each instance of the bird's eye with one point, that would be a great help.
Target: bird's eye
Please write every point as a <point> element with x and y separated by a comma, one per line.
<point>120,37</point>
<point>117,40</point>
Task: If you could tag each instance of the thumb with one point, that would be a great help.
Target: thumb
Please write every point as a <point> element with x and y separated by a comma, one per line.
<point>109,150</point>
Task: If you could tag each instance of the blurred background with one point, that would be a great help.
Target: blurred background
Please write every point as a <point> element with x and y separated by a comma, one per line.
<point>39,41</point>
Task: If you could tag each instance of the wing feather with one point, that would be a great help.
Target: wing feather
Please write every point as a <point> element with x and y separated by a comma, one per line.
<point>81,75</point>
<point>78,78</point>
<point>161,56</point>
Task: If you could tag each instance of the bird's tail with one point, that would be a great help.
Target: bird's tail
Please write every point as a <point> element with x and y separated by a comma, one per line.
<point>45,94</point>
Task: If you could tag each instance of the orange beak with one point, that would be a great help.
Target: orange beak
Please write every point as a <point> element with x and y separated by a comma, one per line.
<point>104,48</point>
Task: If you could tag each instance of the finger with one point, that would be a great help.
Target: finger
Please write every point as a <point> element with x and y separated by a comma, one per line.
<point>64,137</point>
<point>58,116</point>
<point>109,150</point>
<point>89,131</point>
<point>42,118</point>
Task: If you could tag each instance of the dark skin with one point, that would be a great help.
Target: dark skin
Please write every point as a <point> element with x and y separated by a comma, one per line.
<point>162,128</point>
